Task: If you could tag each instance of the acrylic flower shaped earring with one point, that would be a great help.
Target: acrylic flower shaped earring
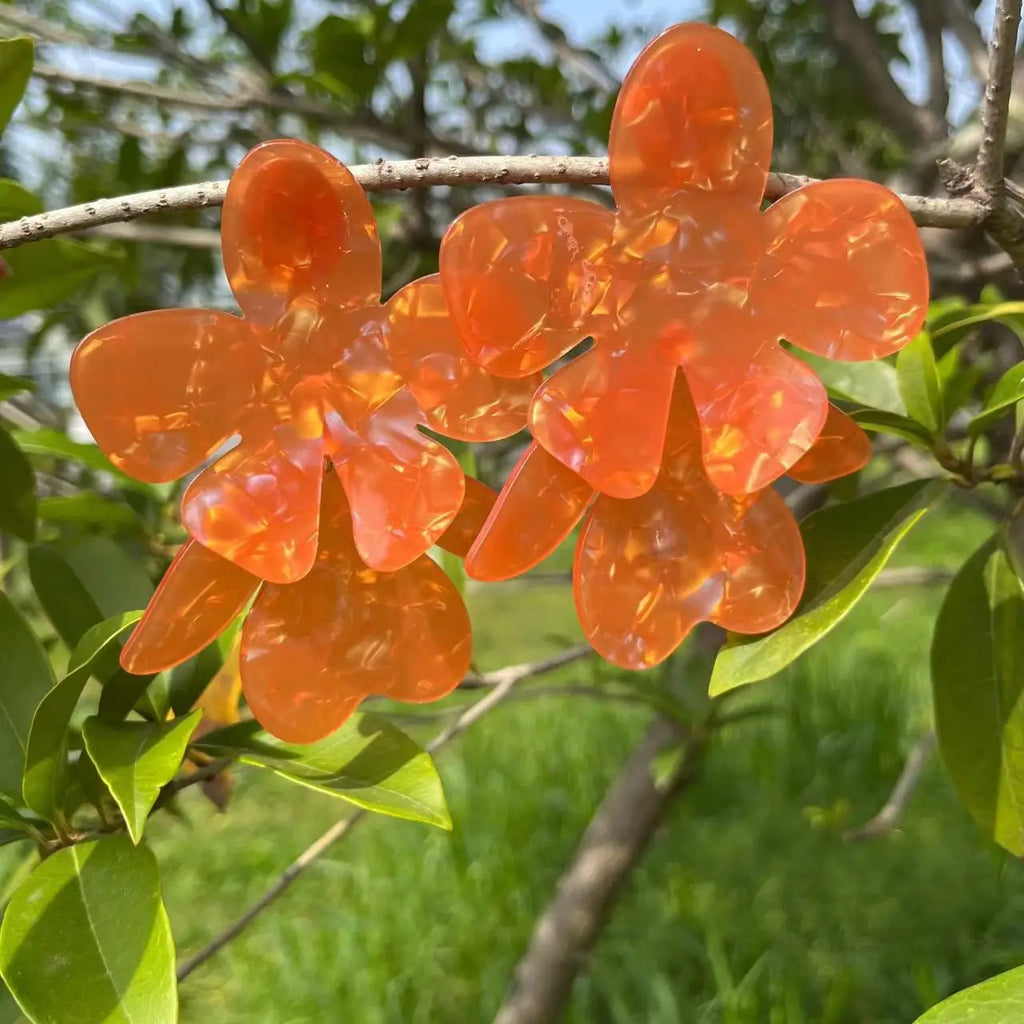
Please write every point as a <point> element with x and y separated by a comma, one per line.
<point>648,569</point>
<point>312,650</point>
<point>686,273</point>
<point>316,368</point>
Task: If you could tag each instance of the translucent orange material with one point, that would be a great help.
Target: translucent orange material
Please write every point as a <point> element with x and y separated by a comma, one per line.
<point>317,368</point>
<point>312,650</point>
<point>687,272</point>
<point>649,568</point>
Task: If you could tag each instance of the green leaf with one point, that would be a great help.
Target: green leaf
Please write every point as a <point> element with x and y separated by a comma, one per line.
<point>872,384</point>
<point>137,759</point>
<point>85,581</point>
<point>47,272</point>
<point>899,426</point>
<point>1008,313</point>
<point>87,507</point>
<point>46,757</point>
<point>86,939</point>
<point>25,679</point>
<point>16,58</point>
<point>17,490</point>
<point>11,386</point>
<point>1009,390</point>
<point>918,379</point>
<point>188,680</point>
<point>977,664</point>
<point>57,445</point>
<point>959,380</point>
<point>367,762</point>
<point>847,546</point>
<point>1000,1000</point>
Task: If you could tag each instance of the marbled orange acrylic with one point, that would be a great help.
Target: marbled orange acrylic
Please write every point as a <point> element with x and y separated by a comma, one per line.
<point>315,368</point>
<point>686,272</point>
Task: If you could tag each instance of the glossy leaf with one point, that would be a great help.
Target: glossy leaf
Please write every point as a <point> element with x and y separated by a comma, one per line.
<point>919,384</point>
<point>53,443</point>
<point>977,663</point>
<point>83,582</point>
<point>872,384</point>
<point>847,546</point>
<point>889,423</point>
<point>1009,390</point>
<point>16,58</point>
<point>367,762</point>
<point>25,679</point>
<point>86,939</point>
<point>999,1000</point>
<point>136,759</point>
<point>11,385</point>
<point>954,326</point>
<point>17,490</point>
<point>46,753</point>
<point>87,507</point>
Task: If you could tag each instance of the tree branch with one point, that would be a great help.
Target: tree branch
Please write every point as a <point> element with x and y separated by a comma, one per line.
<point>425,172</point>
<point>499,683</point>
<point>857,39</point>
<point>996,104</point>
<point>613,842</point>
<point>885,820</point>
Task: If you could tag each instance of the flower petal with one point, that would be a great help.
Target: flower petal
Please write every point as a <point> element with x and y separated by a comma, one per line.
<point>842,448</point>
<point>757,418</point>
<point>258,506</point>
<point>460,399</point>
<point>537,509</point>
<point>649,569</point>
<point>464,529</point>
<point>404,488</point>
<point>520,277</point>
<point>693,113</point>
<point>161,391</point>
<point>604,416</point>
<point>645,575</point>
<point>200,595</point>
<point>845,275</point>
<point>313,650</point>
<point>763,562</point>
<point>297,224</point>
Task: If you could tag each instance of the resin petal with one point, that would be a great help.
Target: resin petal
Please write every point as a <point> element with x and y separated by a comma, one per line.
<point>459,398</point>
<point>844,274</point>
<point>313,650</point>
<point>842,448</point>
<point>200,595</point>
<point>297,224</point>
<point>258,505</point>
<point>161,391</point>
<point>404,488</point>
<point>521,276</point>
<point>604,416</point>
<point>693,113</point>
<point>540,504</point>
<point>757,419</point>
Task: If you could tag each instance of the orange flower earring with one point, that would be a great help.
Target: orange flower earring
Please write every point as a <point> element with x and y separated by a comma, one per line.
<point>316,371</point>
<point>315,368</point>
<point>687,272</point>
<point>648,569</point>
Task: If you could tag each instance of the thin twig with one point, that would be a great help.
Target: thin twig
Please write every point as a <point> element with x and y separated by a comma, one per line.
<point>996,105</point>
<point>159,234</point>
<point>426,172</point>
<point>885,820</point>
<point>500,684</point>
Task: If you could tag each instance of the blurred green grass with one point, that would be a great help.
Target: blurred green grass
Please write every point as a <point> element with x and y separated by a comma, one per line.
<point>750,907</point>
